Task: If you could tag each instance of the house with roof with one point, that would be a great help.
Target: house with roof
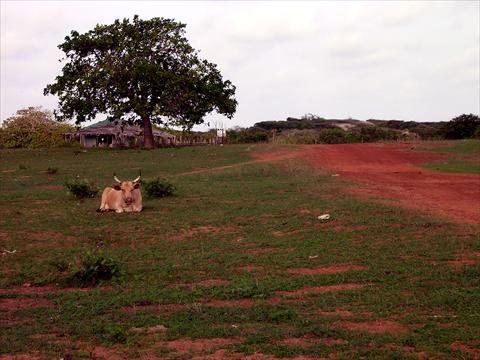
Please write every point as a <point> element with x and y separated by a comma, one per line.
<point>117,134</point>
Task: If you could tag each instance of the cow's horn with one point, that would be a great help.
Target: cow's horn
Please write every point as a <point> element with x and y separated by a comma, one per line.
<point>116,179</point>
<point>137,179</point>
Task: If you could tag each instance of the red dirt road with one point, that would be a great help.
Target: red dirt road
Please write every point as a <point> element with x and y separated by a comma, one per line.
<point>394,172</point>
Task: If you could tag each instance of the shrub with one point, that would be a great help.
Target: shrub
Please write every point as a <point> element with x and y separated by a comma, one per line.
<point>250,135</point>
<point>81,189</point>
<point>33,127</point>
<point>94,267</point>
<point>158,188</point>
<point>335,136</point>
<point>461,127</point>
<point>369,133</point>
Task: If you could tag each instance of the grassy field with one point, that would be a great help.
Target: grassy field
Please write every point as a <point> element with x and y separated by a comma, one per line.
<point>466,158</point>
<point>237,260</point>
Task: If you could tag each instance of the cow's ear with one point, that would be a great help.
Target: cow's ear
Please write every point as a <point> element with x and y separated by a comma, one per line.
<point>117,187</point>
<point>136,186</point>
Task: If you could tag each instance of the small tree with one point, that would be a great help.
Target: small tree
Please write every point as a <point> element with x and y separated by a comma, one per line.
<point>461,127</point>
<point>32,127</point>
<point>143,71</point>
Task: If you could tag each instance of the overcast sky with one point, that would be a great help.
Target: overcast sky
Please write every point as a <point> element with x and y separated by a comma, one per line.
<point>386,60</point>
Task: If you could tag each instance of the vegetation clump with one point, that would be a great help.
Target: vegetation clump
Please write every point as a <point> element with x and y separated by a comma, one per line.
<point>31,128</point>
<point>462,127</point>
<point>52,170</point>
<point>82,188</point>
<point>94,267</point>
<point>159,188</point>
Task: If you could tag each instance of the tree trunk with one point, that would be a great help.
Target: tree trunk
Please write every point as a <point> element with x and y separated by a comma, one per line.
<point>148,142</point>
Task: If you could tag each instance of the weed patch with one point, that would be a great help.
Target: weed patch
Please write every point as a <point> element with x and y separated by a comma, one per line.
<point>81,188</point>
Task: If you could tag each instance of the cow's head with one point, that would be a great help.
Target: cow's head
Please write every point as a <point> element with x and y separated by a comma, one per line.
<point>127,187</point>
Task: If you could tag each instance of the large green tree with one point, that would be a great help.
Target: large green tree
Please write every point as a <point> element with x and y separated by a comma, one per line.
<point>143,71</point>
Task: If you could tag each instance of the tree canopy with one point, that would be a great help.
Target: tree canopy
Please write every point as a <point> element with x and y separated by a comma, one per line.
<point>461,127</point>
<point>143,71</point>
<point>32,127</point>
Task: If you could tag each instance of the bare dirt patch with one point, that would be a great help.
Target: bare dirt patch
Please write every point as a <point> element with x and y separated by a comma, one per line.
<point>335,313</point>
<point>249,268</point>
<point>203,284</point>
<point>465,259</point>
<point>320,289</point>
<point>199,345</point>
<point>393,171</point>
<point>26,289</point>
<point>3,235</point>
<point>307,341</point>
<point>202,230</point>
<point>41,202</point>
<point>374,327</point>
<point>241,303</point>
<point>472,350</point>
<point>334,269</point>
<point>284,233</point>
<point>147,306</point>
<point>13,304</point>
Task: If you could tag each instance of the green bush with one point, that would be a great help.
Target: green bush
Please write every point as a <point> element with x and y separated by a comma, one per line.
<point>81,189</point>
<point>158,188</point>
<point>335,136</point>
<point>33,127</point>
<point>462,127</point>
<point>95,267</point>
<point>370,133</point>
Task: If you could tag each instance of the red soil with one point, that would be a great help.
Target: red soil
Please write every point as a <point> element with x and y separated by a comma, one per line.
<point>249,268</point>
<point>23,303</point>
<point>199,345</point>
<point>393,171</point>
<point>334,269</point>
<point>336,312</point>
<point>474,351</point>
<point>239,303</point>
<point>203,283</point>
<point>26,289</point>
<point>320,289</point>
<point>306,341</point>
<point>374,327</point>
<point>465,259</point>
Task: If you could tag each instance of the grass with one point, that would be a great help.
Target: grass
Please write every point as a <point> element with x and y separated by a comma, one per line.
<point>261,215</point>
<point>464,159</point>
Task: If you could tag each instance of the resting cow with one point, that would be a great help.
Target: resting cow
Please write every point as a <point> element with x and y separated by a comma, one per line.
<point>123,197</point>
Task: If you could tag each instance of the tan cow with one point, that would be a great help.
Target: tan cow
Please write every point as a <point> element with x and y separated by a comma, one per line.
<point>123,197</point>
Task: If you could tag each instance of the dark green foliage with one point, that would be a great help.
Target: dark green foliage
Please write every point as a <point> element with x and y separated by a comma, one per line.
<point>82,188</point>
<point>462,127</point>
<point>61,265</point>
<point>334,136</point>
<point>371,133</point>
<point>250,135</point>
<point>158,188</point>
<point>143,71</point>
<point>94,267</point>
<point>52,170</point>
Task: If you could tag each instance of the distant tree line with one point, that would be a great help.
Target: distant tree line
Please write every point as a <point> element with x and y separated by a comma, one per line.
<point>312,129</point>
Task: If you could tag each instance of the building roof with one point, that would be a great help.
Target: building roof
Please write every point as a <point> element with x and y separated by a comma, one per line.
<point>118,127</point>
